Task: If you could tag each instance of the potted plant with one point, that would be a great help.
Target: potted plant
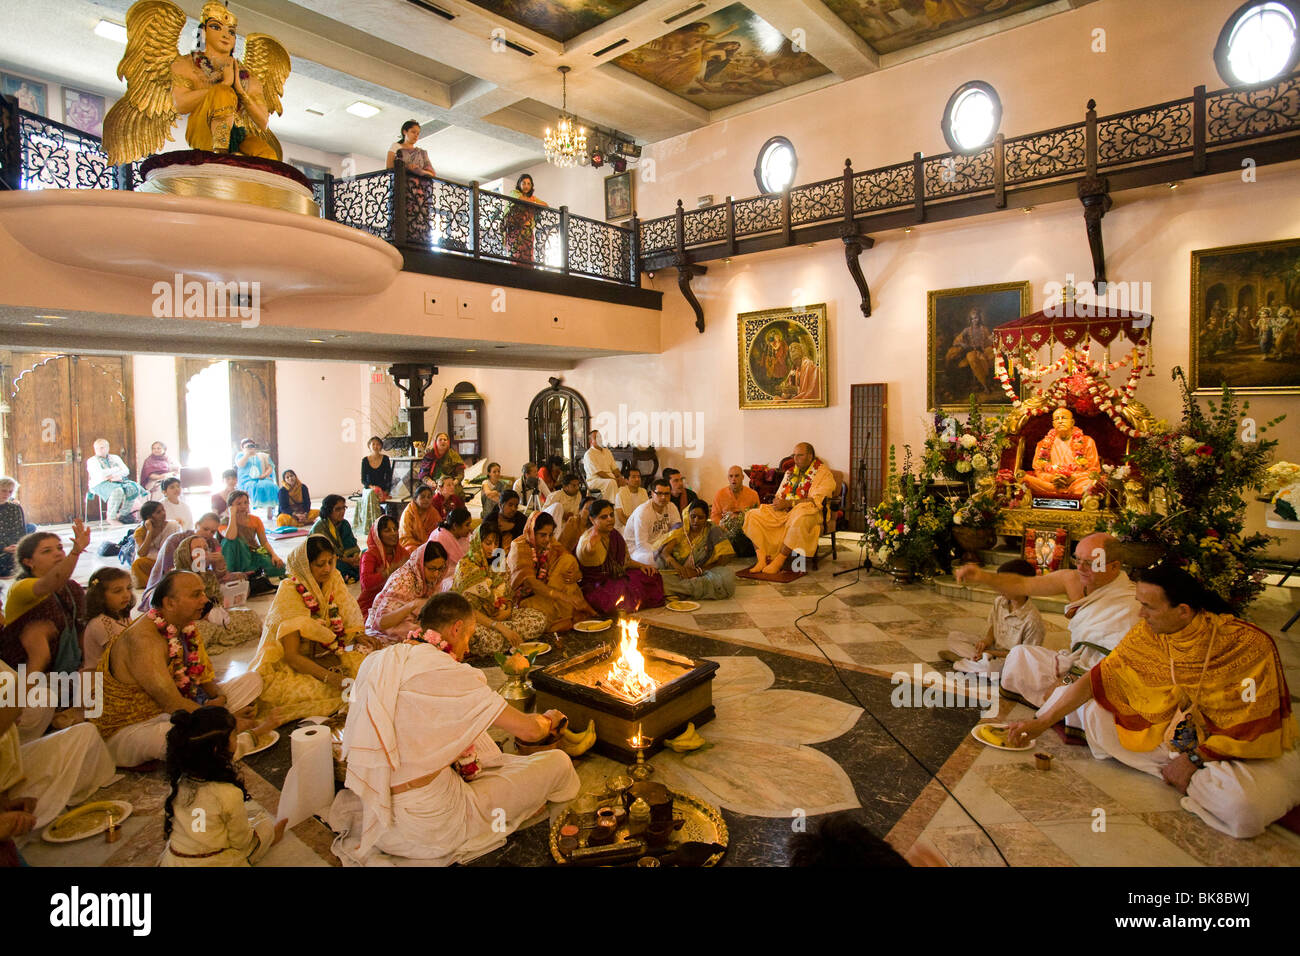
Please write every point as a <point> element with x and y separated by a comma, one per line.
<point>973,523</point>
<point>966,452</point>
<point>902,530</point>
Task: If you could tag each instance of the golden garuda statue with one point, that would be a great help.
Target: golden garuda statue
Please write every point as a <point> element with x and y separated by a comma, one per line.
<point>228,101</point>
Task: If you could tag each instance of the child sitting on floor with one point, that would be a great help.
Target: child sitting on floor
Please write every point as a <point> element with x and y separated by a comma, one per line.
<point>1012,621</point>
<point>204,819</point>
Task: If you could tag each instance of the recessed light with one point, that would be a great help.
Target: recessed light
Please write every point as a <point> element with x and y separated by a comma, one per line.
<point>364,110</point>
<point>48,316</point>
<point>315,111</point>
<point>908,229</point>
<point>35,323</point>
<point>1027,210</point>
<point>111,31</point>
<point>1174,185</point>
<point>316,341</point>
<point>338,335</point>
<point>471,350</point>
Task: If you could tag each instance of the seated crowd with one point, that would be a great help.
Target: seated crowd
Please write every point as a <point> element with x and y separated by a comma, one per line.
<point>1149,663</point>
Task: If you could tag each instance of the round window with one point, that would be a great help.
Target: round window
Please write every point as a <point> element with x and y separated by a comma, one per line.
<point>1258,43</point>
<point>971,117</point>
<point>776,165</point>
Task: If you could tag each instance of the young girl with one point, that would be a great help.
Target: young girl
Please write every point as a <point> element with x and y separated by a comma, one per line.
<point>204,819</point>
<point>108,608</point>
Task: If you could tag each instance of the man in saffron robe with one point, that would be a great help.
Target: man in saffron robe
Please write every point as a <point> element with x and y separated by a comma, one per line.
<point>793,521</point>
<point>1065,461</point>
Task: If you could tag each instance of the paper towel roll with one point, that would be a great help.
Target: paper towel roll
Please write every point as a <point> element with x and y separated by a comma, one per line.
<point>309,785</point>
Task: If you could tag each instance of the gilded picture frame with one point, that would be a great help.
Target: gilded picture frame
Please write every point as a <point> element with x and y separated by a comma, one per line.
<point>618,197</point>
<point>954,371</point>
<point>782,358</point>
<point>1231,343</point>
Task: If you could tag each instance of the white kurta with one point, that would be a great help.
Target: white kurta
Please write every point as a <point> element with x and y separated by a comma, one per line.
<point>596,460</point>
<point>414,711</point>
<point>561,507</point>
<point>212,818</point>
<point>1011,626</point>
<point>1097,622</point>
<point>646,526</point>
<point>627,501</point>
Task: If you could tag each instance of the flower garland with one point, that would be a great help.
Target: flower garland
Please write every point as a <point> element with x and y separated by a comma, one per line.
<point>1085,389</point>
<point>182,653</point>
<point>801,483</point>
<point>467,763</point>
<point>333,617</point>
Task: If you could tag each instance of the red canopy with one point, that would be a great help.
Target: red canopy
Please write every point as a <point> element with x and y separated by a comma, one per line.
<point>1073,323</point>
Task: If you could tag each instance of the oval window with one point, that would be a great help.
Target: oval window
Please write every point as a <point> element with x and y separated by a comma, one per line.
<point>971,117</point>
<point>1257,44</point>
<point>776,165</point>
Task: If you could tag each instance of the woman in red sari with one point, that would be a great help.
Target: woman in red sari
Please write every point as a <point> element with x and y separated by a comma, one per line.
<point>383,555</point>
<point>611,580</point>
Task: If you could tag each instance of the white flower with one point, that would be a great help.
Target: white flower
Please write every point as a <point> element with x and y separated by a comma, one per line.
<point>956,518</point>
<point>1188,443</point>
<point>980,462</point>
<point>907,529</point>
<point>968,441</point>
<point>963,466</point>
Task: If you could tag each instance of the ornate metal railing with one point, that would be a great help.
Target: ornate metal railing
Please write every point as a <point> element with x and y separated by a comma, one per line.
<point>432,215</point>
<point>1187,128</point>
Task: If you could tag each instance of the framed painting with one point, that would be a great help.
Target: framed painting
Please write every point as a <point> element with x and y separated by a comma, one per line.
<point>31,94</point>
<point>782,359</point>
<point>618,197</point>
<point>83,111</point>
<point>959,343</point>
<point>1243,318</point>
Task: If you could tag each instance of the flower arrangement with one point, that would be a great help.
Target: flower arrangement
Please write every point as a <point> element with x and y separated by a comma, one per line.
<point>978,511</point>
<point>906,525</point>
<point>1084,389</point>
<point>964,451</point>
<point>1204,466</point>
<point>1284,483</point>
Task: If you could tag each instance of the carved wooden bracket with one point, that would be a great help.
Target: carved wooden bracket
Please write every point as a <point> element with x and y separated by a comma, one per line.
<point>686,271</point>
<point>855,243</point>
<point>1094,193</point>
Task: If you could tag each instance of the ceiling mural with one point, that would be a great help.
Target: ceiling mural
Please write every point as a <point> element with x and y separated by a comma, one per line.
<point>890,25</point>
<point>560,20</point>
<point>724,58</point>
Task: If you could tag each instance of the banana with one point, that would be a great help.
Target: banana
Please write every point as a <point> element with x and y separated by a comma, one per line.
<point>689,740</point>
<point>575,745</point>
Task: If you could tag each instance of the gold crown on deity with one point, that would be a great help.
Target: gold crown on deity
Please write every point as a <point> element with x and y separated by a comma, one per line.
<point>213,10</point>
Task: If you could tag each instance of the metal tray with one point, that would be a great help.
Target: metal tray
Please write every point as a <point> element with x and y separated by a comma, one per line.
<point>703,823</point>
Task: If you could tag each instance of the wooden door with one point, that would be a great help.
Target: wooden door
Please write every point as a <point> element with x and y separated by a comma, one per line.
<point>252,406</point>
<point>101,393</point>
<point>41,451</point>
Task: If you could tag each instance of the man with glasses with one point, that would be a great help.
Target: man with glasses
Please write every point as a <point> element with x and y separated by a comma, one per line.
<point>1103,607</point>
<point>650,522</point>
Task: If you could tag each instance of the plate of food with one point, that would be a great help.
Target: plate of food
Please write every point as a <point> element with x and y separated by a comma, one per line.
<point>534,648</point>
<point>87,820</point>
<point>592,627</point>
<point>995,736</point>
<point>264,742</point>
<point>683,605</point>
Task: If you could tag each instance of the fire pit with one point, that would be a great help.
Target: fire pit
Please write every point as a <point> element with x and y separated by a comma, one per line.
<point>628,691</point>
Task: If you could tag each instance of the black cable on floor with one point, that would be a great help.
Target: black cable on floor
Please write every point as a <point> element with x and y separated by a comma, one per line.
<point>867,710</point>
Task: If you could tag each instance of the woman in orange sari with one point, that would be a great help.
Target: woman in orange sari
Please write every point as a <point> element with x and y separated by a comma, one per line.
<point>419,520</point>
<point>545,577</point>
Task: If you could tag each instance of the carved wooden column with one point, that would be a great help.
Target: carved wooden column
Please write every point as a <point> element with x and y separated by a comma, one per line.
<point>1094,193</point>
<point>687,270</point>
<point>413,380</point>
<point>855,243</point>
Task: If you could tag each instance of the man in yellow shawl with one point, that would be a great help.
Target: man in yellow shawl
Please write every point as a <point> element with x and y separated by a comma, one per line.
<point>1198,698</point>
<point>793,521</point>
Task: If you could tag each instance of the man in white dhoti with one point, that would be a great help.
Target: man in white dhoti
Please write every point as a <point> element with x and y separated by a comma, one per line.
<point>650,522</point>
<point>603,475</point>
<point>1196,697</point>
<point>159,665</point>
<point>1102,609</point>
<point>565,501</point>
<point>425,781</point>
<point>630,497</point>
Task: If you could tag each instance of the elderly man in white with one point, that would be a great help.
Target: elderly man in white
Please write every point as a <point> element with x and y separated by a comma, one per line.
<point>1103,608</point>
<point>649,523</point>
<point>603,475</point>
<point>110,479</point>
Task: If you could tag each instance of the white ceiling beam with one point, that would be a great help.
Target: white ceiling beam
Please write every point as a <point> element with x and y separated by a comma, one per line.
<point>825,36</point>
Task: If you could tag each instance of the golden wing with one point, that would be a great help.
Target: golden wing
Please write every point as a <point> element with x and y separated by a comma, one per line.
<point>139,123</point>
<point>267,60</point>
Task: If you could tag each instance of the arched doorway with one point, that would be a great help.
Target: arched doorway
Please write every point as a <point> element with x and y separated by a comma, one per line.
<point>558,424</point>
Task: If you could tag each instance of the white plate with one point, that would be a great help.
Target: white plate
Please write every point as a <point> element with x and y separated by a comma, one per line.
<point>592,627</point>
<point>121,810</point>
<point>540,648</point>
<point>683,605</point>
<point>974,732</point>
<point>271,739</point>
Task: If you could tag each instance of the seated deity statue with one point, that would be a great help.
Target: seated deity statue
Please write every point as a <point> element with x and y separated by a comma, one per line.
<point>1065,460</point>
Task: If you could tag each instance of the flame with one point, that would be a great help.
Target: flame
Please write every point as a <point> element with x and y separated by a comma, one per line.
<point>627,675</point>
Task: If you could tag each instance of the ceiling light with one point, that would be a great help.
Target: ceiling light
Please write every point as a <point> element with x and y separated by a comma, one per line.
<point>908,229</point>
<point>111,31</point>
<point>338,335</point>
<point>471,350</point>
<point>364,110</point>
<point>316,110</point>
<point>35,323</point>
<point>316,341</point>
<point>49,316</point>
<point>1027,210</point>
<point>569,141</point>
<point>1174,185</point>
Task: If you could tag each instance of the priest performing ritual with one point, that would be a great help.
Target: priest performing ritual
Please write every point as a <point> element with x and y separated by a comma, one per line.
<point>793,521</point>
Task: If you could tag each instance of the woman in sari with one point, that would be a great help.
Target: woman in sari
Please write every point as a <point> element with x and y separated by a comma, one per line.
<point>397,606</point>
<point>493,486</point>
<point>611,580</point>
<point>302,658</point>
<point>545,577</point>
<point>419,520</point>
<point>502,623</point>
<point>383,555</point>
<point>295,503</point>
<point>219,628</point>
<point>243,540</point>
<point>45,616</point>
<point>376,486</point>
<point>257,476</point>
<point>453,534</point>
<point>332,524</point>
<point>509,522</point>
<point>440,459</point>
<point>155,468</point>
<point>517,226</point>
<point>692,554</point>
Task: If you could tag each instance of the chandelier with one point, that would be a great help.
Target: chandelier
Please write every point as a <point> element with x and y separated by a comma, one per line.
<point>566,145</point>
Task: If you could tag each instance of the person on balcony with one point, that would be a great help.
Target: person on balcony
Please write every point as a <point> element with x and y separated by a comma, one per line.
<point>420,172</point>
<point>295,510</point>
<point>110,481</point>
<point>518,223</point>
<point>1065,461</point>
<point>405,151</point>
<point>257,476</point>
<point>793,521</point>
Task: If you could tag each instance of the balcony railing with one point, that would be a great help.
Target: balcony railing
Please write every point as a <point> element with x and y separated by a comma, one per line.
<point>437,216</point>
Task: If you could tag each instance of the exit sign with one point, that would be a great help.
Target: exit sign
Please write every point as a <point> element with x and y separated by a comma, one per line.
<point>377,378</point>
